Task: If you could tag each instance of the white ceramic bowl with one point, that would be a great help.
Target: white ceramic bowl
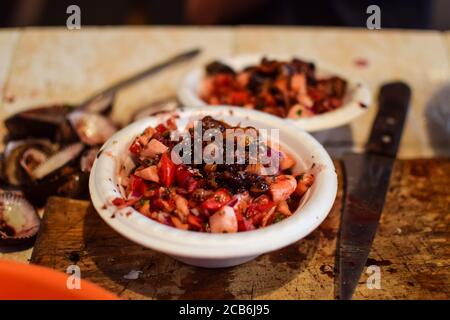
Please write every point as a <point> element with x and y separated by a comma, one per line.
<point>356,101</point>
<point>206,249</point>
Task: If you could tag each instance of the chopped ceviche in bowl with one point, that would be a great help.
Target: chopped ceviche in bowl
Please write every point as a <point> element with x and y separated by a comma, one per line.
<point>231,194</point>
<point>288,89</point>
<point>290,189</point>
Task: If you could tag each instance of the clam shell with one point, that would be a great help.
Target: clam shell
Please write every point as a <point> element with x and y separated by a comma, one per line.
<point>19,221</point>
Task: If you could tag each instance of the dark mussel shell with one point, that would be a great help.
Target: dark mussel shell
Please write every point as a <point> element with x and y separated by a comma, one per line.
<point>46,122</point>
<point>67,182</point>
<point>91,128</point>
<point>22,156</point>
<point>57,160</point>
<point>59,175</point>
<point>19,222</point>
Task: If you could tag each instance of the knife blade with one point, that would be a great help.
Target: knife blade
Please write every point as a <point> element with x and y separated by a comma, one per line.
<point>366,179</point>
<point>106,96</point>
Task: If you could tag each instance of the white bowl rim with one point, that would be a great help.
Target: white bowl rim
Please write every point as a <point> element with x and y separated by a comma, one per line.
<point>360,102</point>
<point>193,244</point>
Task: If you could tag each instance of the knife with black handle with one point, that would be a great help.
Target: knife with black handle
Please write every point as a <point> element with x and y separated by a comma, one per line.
<point>366,184</point>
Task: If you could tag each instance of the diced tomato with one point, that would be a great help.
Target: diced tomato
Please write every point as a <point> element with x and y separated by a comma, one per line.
<point>137,186</point>
<point>240,220</point>
<point>166,170</point>
<point>118,202</point>
<point>243,223</point>
<point>135,147</point>
<point>195,222</point>
<point>185,179</point>
<point>223,80</point>
<point>220,198</point>
<point>171,124</point>
<point>160,128</point>
<point>315,94</point>
<point>239,98</point>
<point>258,208</point>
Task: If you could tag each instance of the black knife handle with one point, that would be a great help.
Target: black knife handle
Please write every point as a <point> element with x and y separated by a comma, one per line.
<point>393,103</point>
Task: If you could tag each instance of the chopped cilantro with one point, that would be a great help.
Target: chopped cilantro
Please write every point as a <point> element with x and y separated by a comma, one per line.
<point>149,162</point>
<point>278,218</point>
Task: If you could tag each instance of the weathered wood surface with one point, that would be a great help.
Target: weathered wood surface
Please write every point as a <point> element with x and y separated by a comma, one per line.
<point>411,248</point>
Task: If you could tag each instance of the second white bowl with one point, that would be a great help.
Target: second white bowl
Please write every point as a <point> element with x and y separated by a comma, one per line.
<point>356,101</point>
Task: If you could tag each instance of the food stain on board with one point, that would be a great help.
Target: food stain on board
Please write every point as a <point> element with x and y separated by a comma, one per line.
<point>371,262</point>
<point>361,62</point>
<point>327,270</point>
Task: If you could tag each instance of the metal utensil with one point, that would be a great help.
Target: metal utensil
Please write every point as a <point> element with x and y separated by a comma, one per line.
<point>104,98</point>
<point>367,180</point>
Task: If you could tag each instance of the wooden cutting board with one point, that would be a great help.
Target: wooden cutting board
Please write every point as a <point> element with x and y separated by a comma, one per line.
<point>412,250</point>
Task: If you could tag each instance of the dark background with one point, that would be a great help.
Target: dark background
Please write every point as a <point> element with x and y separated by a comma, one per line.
<point>418,14</point>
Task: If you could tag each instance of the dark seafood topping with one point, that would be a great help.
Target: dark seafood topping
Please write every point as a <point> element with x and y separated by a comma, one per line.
<point>204,196</point>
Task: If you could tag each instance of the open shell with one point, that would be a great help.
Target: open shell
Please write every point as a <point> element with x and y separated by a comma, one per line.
<point>92,128</point>
<point>19,221</point>
<point>16,159</point>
